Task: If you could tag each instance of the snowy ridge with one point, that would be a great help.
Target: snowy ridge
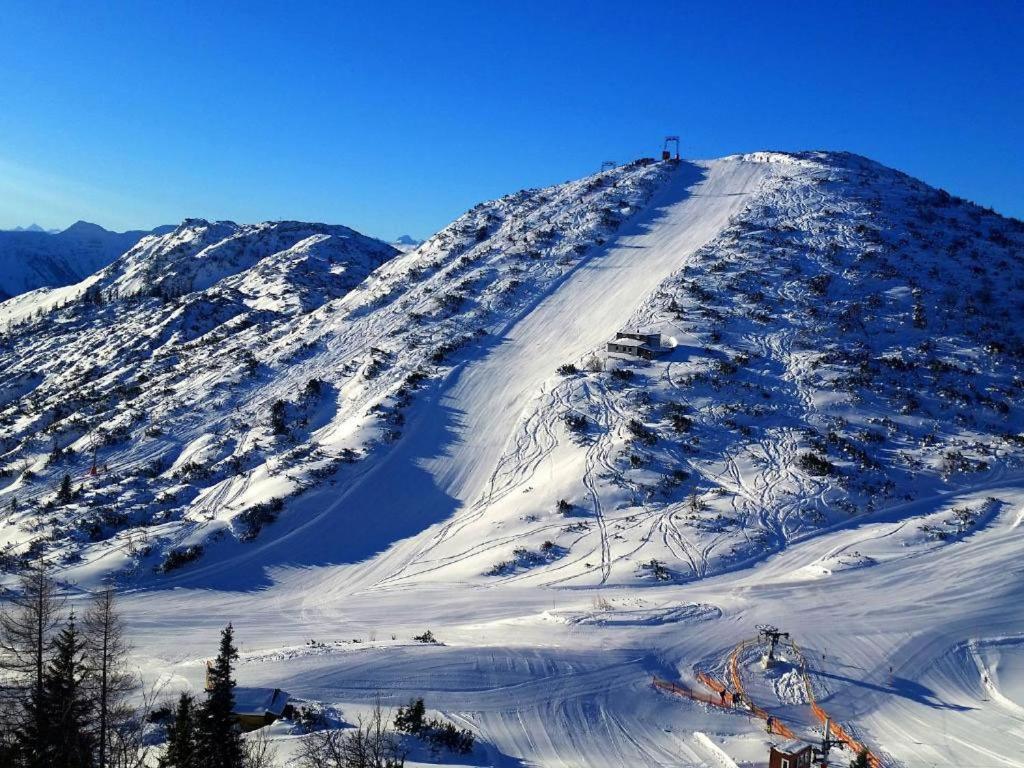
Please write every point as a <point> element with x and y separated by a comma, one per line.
<point>141,331</point>
<point>822,368</point>
<point>819,370</point>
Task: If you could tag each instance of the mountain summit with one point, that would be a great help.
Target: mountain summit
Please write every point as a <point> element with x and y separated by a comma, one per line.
<point>828,338</point>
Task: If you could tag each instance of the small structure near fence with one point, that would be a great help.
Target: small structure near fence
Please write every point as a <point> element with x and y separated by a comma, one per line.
<point>257,707</point>
<point>666,153</point>
<point>254,707</point>
<point>631,348</point>
<point>792,754</point>
<point>636,344</point>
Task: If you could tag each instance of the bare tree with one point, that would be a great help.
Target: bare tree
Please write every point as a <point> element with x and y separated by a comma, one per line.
<point>323,749</point>
<point>372,744</point>
<point>107,656</point>
<point>27,629</point>
<point>258,752</point>
<point>127,743</point>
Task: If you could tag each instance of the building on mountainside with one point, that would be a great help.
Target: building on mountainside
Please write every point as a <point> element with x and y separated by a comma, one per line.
<point>636,344</point>
<point>652,340</point>
<point>792,754</point>
<point>254,707</point>
<point>630,347</point>
<point>257,707</point>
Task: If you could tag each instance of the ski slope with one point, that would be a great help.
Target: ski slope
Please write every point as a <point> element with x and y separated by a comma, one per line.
<point>453,442</point>
<point>585,310</point>
<point>549,677</point>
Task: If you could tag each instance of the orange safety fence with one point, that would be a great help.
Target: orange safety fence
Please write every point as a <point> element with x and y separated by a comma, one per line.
<point>682,690</point>
<point>837,731</point>
<point>774,726</point>
<point>732,700</point>
<point>723,693</point>
<point>734,665</point>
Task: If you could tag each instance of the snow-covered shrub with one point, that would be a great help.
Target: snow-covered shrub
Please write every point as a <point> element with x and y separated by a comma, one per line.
<point>255,517</point>
<point>655,569</point>
<point>278,412</point>
<point>813,464</point>
<point>523,558</point>
<point>180,556</point>
<point>438,734</point>
<point>576,422</point>
<point>313,388</point>
<point>641,432</point>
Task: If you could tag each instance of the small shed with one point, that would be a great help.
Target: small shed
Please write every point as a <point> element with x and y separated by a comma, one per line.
<point>792,754</point>
<point>632,347</point>
<point>257,707</point>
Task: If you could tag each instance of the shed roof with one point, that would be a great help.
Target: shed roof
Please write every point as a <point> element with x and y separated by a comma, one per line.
<point>624,342</point>
<point>260,701</point>
<point>792,746</point>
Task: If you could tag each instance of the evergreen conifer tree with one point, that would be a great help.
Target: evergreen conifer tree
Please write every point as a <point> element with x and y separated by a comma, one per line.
<point>182,748</point>
<point>27,642</point>
<point>57,729</point>
<point>220,738</point>
<point>66,493</point>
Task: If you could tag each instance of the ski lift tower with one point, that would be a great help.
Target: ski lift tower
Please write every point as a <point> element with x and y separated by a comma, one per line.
<point>93,447</point>
<point>827,742</point>
<point>665,153</point>
<point>770,635</point>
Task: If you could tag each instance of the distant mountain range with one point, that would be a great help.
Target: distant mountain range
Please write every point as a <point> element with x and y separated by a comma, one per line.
<point>32,228</point>
<point>31,257</point>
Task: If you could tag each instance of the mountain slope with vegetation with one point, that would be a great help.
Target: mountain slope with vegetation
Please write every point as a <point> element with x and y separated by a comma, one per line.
<point>819,365</point>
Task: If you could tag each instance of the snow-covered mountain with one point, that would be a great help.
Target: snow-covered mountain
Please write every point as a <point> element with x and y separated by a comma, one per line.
<point>442,438</point>
<point>840,343</point>
<point>313,364</point>
<point>32,257</point>
<point>405,243</point>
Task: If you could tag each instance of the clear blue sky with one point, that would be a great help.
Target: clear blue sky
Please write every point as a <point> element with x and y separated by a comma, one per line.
<point>397,116</point>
